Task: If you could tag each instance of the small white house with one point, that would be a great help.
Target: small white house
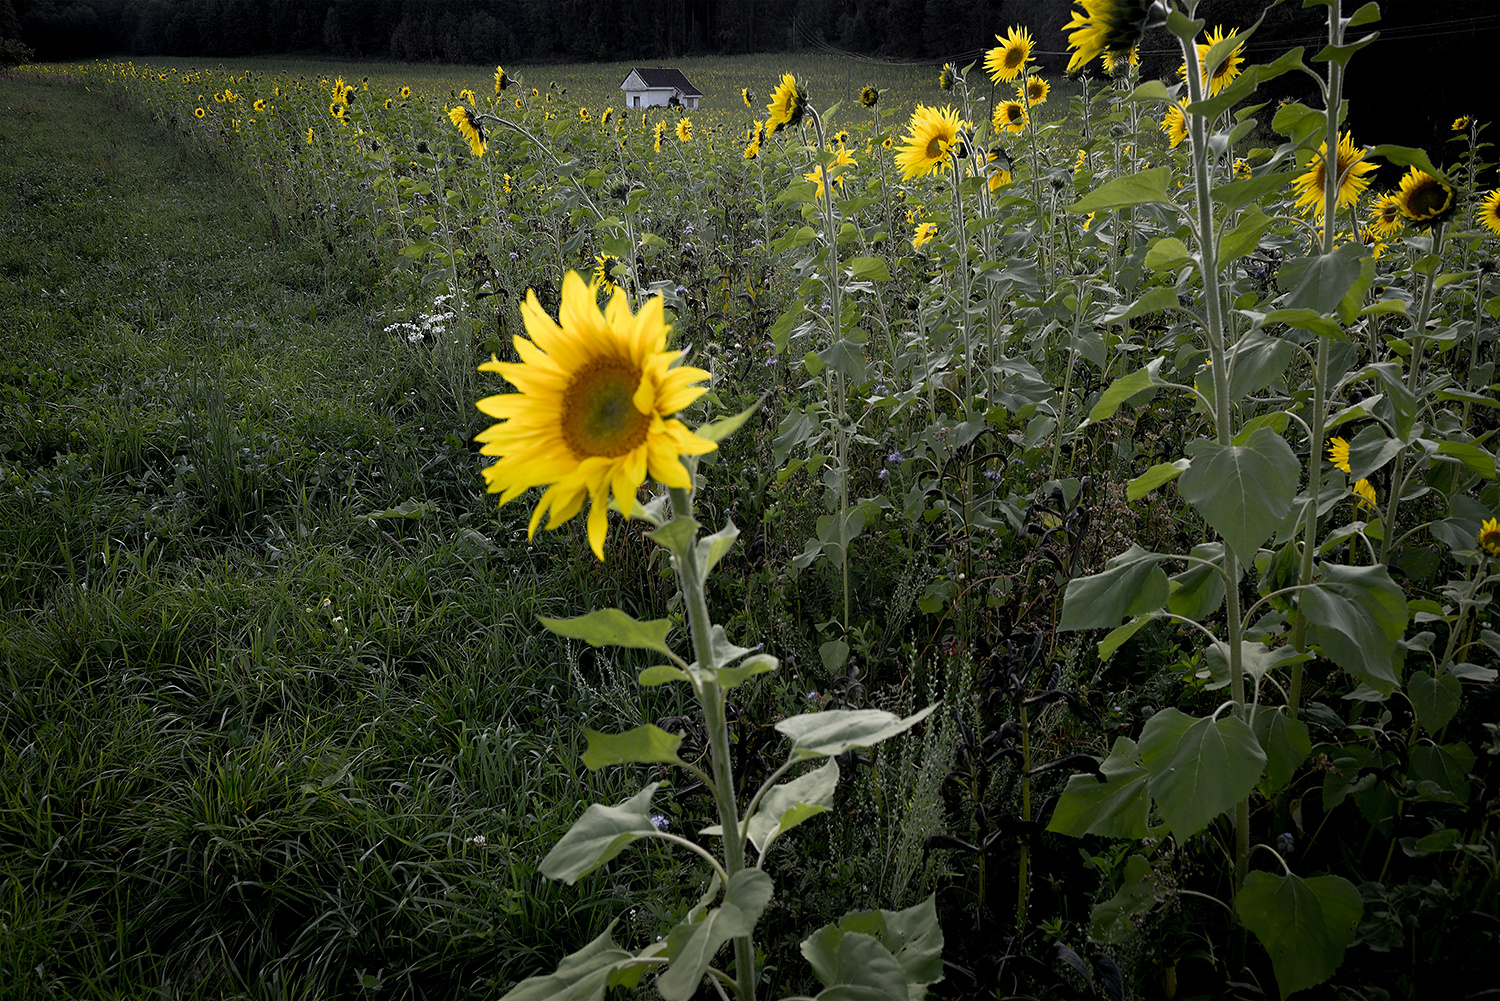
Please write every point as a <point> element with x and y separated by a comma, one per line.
<point>659,88</point>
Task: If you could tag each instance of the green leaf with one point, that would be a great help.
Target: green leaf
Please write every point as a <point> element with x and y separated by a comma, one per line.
<point>1245,236</point>
<point>1298,122</point>
<point>661,675</point>
<point>1286,743</point>
<point>1150,91</point>
<point>1305,924</point>
<point>913,937</point>
<point>1242,491</point>
<point>1471,455</point>
<point>1367,14</point>
<point>1410,156</point>
<point>1119,807</point>
<point>761,663</point>
<point>1435,700</point>
<point>711,548</point>
<point>1168,254</point>
<point>1198,591</point>
<point>1369,451</point>
<point>726,426</point>
<point>1341,54</point>
<point>1136,189</point>
<point>1162,472</point>
<point>854,966</point>
<point>1199,768</point>
<point>1113,920</point>
<point>1307,319</point>
<point>781,330</point>
<point>587,974</point>
<point>1236,193</point>
<point>1255,362</point>
<point>1359,613</point>
<point>1117,637</point>
<point>1124,388</point>
<point>1132,584</point>
<point>648,744</point>
<point>1442,773</point>
<point>612,627</point>
<point>825,734</point>
<point>745,898</point>
<point>1320,282</point>
<point>789,804</point>
<point>870,269</point>
<point>599,835</point>
<point>845,356</point>
<point>1153,300</point>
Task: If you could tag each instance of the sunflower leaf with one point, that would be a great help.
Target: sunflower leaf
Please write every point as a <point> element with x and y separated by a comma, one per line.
<point>612,627</point>
<point>1136,189</point>
<point>725,426</point>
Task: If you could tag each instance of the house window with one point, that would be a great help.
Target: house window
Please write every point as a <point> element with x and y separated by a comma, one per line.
<point>635,100</point>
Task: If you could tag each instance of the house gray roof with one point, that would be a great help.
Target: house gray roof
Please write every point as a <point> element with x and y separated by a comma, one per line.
<point>663,77</point>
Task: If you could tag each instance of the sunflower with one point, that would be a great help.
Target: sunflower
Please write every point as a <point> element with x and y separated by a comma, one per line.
<point>1113,26</point>
<point>1488,214</point>
<point>1241,170</point>
<point>1081,163</point>
<point>1226,71</point>
<point>752,149</point>
<point>1352,168</point>
<point>923,236</point>
<point>1364,496</point>
<point>659,130</point>
<point>1460,123</point>
<point>1489,537</point>
<point>685,130</point>
<point>929,136</point>
<point>841,137</point>
<point>608,114</point>
<point>1007,60</point>
<point>788,104</point>
<point>388,104</point>
<point>466,95</point>
<point>591,417</point>
<point>260,106</point>
<point>1009,115</point>
<point>405,93</point>
<point>1338,453</point>
<point>1175,124</point>
<point>1385,215</point>
<point>604,267</point>
<point>834,170</point>
<point>998,165</point>
<point>309,136</point>
<point>470,127</point>
<point>869,96</point>
<point>583,114</point>
<point>1117,61</point>
<point>199,113</point>
<point>219,98</point>
<point>747,97</point>
<point>1033,90</point>
<point>336,110</point>
<point>945,77</point>
<point>1423,198</point>
<point>501,80</point>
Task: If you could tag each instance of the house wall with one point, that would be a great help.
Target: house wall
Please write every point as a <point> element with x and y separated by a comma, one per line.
<point>655,99</point>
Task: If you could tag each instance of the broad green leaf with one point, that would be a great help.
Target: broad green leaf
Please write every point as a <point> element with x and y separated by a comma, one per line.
<point>599,835</point>
<point>1367,14</point>
<point>745,898</point>
<point>1341,54</point>
<point>1298,122</point>
<point>1242,491</point>
<point>790,803</point>
<point>1116,808</point>
<point>1118,637</point>
<point>1199,768</point>
<point>1305,924</point>
<point>1245,236</point>
<point>676,535</point>
<point>1307,319</point>
<point>725,426</point>
<point>1359,613</point>
<point>1320,282</point>
<point>612,627</point>
<point>1409,156</point>
<point>1124,388</point>
<point>1162,472</point>
<point>1168,254</point>
<point>1286,743</point>
<point>834,731</point>
<point>1133,584</point>
<point>913,936</point>
<point>1153,300</point>
<point>854,966</point>
<point>648,744</point>
<point>660,675</point>
<point>1442,773</point>
<point>746,669</point>
<point>1181,25</point>
<point>1236,193</point>
<point>587,974</point>
<point>781,330</point>
<point>1471,455</point>
<point>711,548</point>
<point>845,356</point>
<point>1255,362</point>
<point>1435,700</point>
<point>1136,189</point>
<point>1370,450</point>
<point>1198,591</point>
<point>870,269</point>
<point>1112,920</point>
<point>1150,91</point>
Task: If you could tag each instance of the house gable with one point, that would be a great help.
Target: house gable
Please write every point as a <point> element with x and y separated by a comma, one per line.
<point>656,87</point>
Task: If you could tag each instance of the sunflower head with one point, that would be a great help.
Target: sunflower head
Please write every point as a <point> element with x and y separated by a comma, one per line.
<point>1241,170</point>
<point>405,93</point>
<point>946,76</point>
<point>260,106</point>
<point>502,81</point>
<point>1033,90</point>
<point>930,135</point>
<point>1461,123</point>
<point>685,130</point>
<point>747,97</point>
<point>1008,60</point>
<point>470,127</point>
<point>1175,124</point>
<point>923,235</point>
<point>1364,497</point>
<point>1112,26</point>
<point>604,272</point>
<point>841,137</point>
<point>1385,215</point>
<point>1488,212</point>
<point>609,113</point>
<point>788,105</point>
<point>1010,116</point>
<point>1224,73</point>
<point>1424,199</point>
<point>869,97</point>
<point>1121,62</point>
<point>1352,166</point>
<point>592,415</point>
<point>1338,453</point>
<point>1489,536</point>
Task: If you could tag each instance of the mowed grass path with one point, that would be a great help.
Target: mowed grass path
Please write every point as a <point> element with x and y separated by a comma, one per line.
<point>253,741</point>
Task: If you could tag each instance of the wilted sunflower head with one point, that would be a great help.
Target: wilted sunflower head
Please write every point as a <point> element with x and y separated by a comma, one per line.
<point>868,96</point>
<point>1108,25</point>
<point>1008,60</point>
<point>1424,199</point>
<point>469,126</point>
<point>788,105</point>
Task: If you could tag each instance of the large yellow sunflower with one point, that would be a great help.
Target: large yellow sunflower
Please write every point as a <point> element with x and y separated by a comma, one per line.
<point>1226,71</point>
<point>930,134</point>
<point>923,235</point>
<point>1175,124</point>
<point>1009,115</point>
<point>591,417</point>
<point>841,159</point>
<point>1352,168</point>
<point>470,127</point>
<point>1338,453</point>
<point>1007,60</point>
<point>788,103</point>
<point>1424,199</point>
<point>1105,25</point>
<point>1033,90</point>
<point>1385,216</point>
<point>1488,213</point>
<point>685,130</point>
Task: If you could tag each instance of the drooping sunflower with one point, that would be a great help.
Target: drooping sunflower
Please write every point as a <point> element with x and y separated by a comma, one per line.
<point>1007,60</point>
<point>841,159</point>
<point>1489,536</point>
<point>467,95</point>
<point>1010,116</point>
<point>658,131</point>
<point>923,235</point>
<point>1223,74</point>
<point>1352,169</point>
<point>609,113</point>
<point>1488,213</point>
<point>1364,497</point>
<point>502,81</point>
<point>1424,199</point>
<point>685,130</point>
<point>1114,62</point>
<point>869,97</point>
<point>930,134</point>
<point>1175,124</point>
<point>1338,453</point>
<point>997,163</point>
<point>1033,90</point>
<point>593,413</point>
<point>604,267</point>
<point>747,97</point>
<point>469,126</point>
<point>946,76</point>
<point>788,104</point>
<point>1105,26</point>
<point>1385,216</point>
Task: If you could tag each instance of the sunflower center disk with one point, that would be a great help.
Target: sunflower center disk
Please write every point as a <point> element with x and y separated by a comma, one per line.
<point>598,417</point>
<point>1429,201</point>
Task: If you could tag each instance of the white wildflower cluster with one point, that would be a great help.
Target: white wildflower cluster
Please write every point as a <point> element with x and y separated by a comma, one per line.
<point>427,326</point>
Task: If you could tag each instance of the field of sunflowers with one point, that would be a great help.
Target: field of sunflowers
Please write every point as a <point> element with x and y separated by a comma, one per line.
<point>1093,476</point>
